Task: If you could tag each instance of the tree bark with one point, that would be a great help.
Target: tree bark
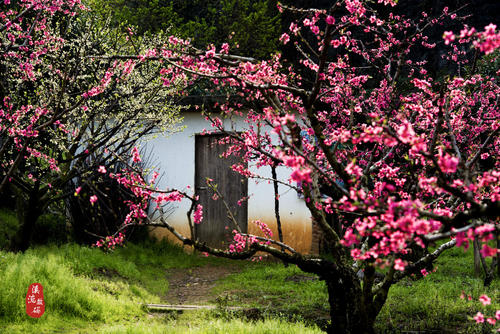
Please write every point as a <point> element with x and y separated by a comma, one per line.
<point>349,313</point>
<point>28,213</point>
<point>477,259</point>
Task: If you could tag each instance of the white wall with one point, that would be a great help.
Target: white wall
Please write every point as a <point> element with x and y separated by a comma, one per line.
<point>175,155</point>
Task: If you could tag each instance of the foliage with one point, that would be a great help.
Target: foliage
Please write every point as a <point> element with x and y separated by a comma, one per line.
<point>204,22</point>
<point>205,325</point>
<point>429,303</point>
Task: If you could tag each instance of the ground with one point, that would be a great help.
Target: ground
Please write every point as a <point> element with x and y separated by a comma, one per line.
<point>194,285</point>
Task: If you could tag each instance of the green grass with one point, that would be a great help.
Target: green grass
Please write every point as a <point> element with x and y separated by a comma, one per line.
<point>143,264</point>
<point>276,289</point>
<point>434,303</point>
<point>205,322</point>
<point>89,291</point>
<point>66,295</point>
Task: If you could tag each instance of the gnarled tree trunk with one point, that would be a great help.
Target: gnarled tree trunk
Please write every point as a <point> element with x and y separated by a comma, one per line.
<point>28,213</point>
<point>351,310</point>
<point>347,310</point>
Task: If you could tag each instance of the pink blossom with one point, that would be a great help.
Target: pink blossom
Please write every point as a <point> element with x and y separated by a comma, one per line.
<point>487,251</point>
<point>462,240</point>
<point>485,300</point>
<point>479,317</point>
<point>349,238</point>
<point>353,169</point>
<point>483,229</point>
<point>448,164</point>
<point>448,37</point>
<point>330,20</point>
<point>135,155</point>
<point>198,214</point>
<point>301,175</point>
<point>288,118</point>
<point>77,191</point>
<point>490,29</point>
<point>399,264</point>
<point>489,40</point>
<point>285,38</point>
<point>335,43</point>
<point>355,253</point>
<point>102,169</point>
<point>405,132</point>
<point>264,228</point>
<point>174,196</point>
<point>93,199</point>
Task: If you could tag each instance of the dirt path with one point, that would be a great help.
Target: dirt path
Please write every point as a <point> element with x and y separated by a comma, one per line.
<point>193,285</point>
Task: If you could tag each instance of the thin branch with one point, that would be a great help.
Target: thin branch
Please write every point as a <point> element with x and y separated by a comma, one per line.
<point>478,153</point>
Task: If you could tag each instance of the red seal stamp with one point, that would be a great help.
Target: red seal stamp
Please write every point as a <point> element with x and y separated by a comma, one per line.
<point>35,304</point>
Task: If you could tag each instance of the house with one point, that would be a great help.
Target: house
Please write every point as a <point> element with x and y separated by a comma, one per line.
<point>188,157</point>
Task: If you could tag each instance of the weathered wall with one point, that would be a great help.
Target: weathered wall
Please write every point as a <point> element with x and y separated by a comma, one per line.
<point>175,156</point>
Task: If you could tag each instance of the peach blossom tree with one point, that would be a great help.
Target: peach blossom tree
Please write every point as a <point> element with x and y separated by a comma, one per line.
<point>388,158</point>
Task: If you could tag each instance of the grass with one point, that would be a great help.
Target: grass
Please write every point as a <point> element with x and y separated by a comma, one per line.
<point>88,291</point>
<point>277,289</point>
<point>69,296</point>
<point>434,304</point>
<point>205,322</point>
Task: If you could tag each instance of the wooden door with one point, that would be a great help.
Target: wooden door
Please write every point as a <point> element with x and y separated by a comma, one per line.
<point>216,228</point>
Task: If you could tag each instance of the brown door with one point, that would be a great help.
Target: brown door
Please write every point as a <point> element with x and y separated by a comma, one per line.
<point>216,227</point>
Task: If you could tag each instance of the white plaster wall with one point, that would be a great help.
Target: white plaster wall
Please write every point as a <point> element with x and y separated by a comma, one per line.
<point>175,155</point>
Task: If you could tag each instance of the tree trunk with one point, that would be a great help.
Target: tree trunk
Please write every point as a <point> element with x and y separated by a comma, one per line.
<point>477,259</point>
<point>347,309</point>
<point>28,213</point>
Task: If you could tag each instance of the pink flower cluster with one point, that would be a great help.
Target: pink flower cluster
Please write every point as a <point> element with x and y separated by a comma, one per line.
<point>110,242</point>
<point>241,242</point>
<point>198,214</point>
<point>489,39</point>
<point>479,317</point>
<point>268,233</point>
